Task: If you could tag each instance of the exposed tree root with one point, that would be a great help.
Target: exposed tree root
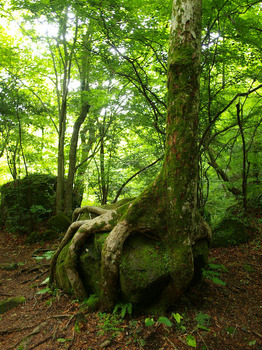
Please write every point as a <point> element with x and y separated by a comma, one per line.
<point>149,221</point>
<point>78,233</point>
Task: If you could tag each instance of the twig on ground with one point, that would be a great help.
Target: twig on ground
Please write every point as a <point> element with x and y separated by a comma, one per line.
<point>170,342</point>
<point>61,316</point>
<point>40,342</point>
<point>257,334</point>
<point>70,319</point>
<point>72,341</point>
<point>200,336</point>
<point>5,294</point>
<point>35,331</point>
<point>35,278</point>
<point>55,333</point>
<point>13,330</point>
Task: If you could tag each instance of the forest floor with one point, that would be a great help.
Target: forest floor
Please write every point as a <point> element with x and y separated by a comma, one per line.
<point>215,316</point>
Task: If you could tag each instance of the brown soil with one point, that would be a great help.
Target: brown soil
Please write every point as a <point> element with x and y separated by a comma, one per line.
<point>216,316</point>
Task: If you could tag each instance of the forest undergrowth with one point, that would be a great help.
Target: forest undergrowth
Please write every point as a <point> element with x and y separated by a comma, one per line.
<point>224,312</point>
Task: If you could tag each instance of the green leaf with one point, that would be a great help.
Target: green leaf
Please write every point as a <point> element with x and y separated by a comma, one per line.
<point>149,322</point>
<point>202,319</point>
<point>177,317</point>
<point>218,281</point>
<point>43,291</point>
<point>203,327</point>
<point>231,330</point>
<point>62,340</point>
<point>165,321</point>
<point>191,341</point>
<point>45,281</point>
<point>252,342</point>
<point>217,267</point>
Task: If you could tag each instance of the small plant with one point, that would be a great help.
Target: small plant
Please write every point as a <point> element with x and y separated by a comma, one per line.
<point>109,324</point>
<point>124,309</point>
<point>191,341</point>
<point>161,320</point>
<point>149,322</point>
<point>39,211</point>
<point>77,329</point>
<point>47,255</point>
<point>179,319</point>
<point>91,303</point>
<point>213,273</point>
<point>203,320</point>
<point>231,330</point>
<point>47,289</point>
<point>62,340</point>
<point>134,333</point>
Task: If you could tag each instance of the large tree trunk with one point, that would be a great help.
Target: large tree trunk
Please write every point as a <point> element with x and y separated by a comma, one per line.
<point>165,212</point>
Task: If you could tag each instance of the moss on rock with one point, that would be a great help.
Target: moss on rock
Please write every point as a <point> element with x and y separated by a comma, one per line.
<point>59,223</point>
<point>229,232</point>
<point>11,303</point>
<point>60,273</point>
<point>144,270</point>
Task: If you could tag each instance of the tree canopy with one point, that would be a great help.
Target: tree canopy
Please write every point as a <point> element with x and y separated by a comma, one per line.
<point>83,96</point>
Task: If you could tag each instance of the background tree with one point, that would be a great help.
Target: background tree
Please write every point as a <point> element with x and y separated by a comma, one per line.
<point>128,47</point>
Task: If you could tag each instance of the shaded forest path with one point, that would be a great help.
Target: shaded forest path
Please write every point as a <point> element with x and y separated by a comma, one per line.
<point>216,316</point>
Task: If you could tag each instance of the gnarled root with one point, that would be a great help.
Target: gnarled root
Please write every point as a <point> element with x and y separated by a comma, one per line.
<point>88,209</point>
<point>68,236</point>
<point>110,260</point>
<point>78,232</point>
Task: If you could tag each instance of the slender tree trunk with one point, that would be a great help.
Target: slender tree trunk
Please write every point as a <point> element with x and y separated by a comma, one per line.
<point>61,160</point>
<point>68,197</point>
<point>102,168</point>
<point>84,68</point>
<point>245,164</point>
<point>66,59</point>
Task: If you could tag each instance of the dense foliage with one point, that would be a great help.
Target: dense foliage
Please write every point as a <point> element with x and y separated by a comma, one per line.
<point>83,97</point>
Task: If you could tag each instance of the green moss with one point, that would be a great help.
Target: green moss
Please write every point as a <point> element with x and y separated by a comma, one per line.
<point>99,241</point>
<point>47,235</point>
<point>27,202</point>
<point>89,267</point>
<point>59,223</point>
<point>60,272</point>
<point>118,204</point>
<point>229,232</point>
<point>144,269</point>
<point>182,56</point>
<point>11,303</point>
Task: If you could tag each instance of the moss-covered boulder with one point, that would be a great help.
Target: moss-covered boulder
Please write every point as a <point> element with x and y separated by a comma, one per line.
<point>229,232</point>
<point>10,303</point>
<point>42,236</point>
<point>144,271</point>
<point>26,203</point>
<point>59,223</point>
